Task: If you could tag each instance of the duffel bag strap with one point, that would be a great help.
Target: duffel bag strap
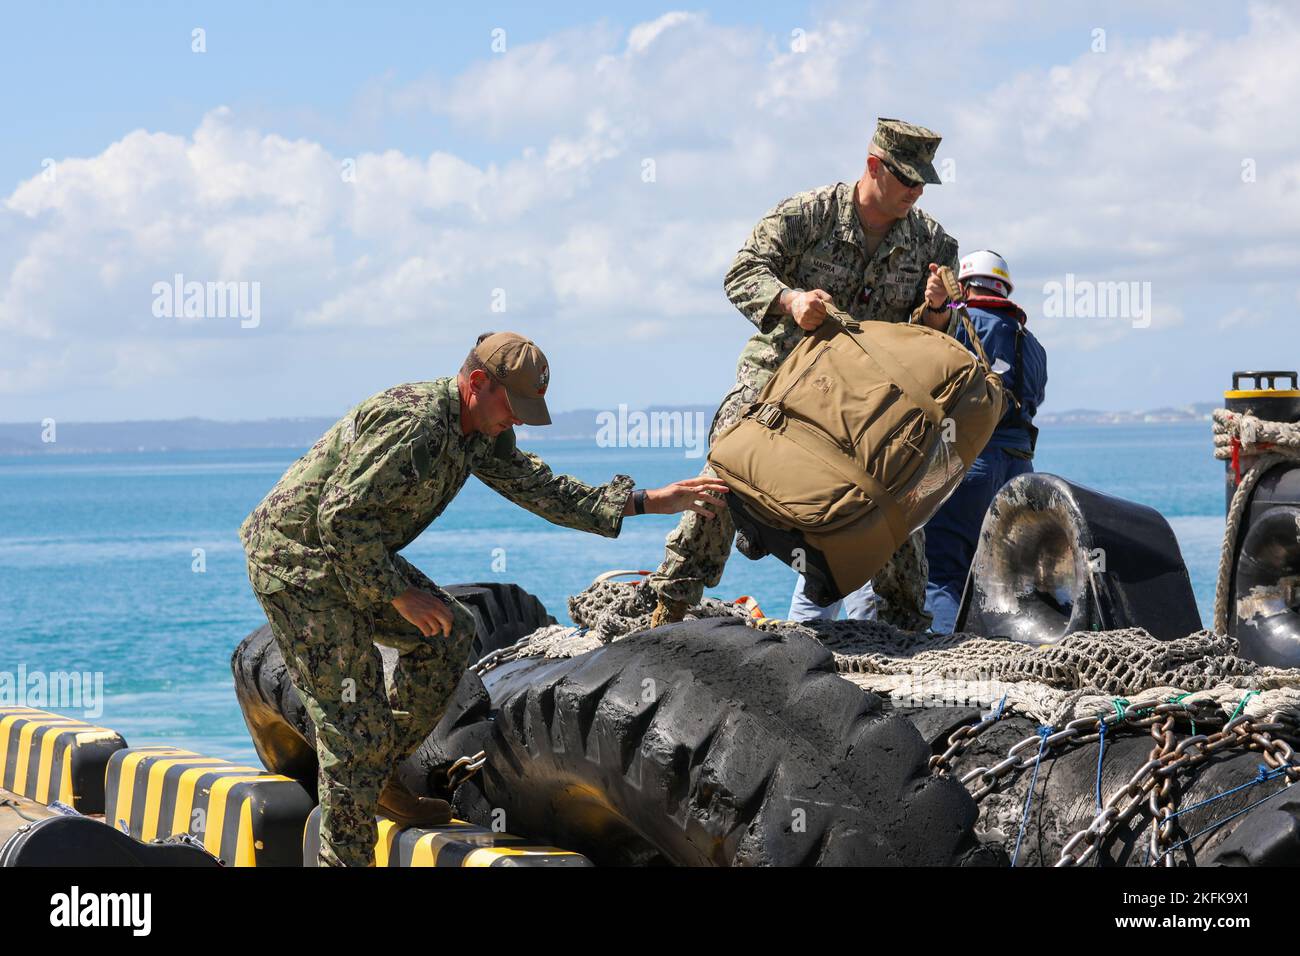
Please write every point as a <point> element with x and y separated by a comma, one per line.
<point>959,304</point>
<point>899,374</point>
<point>847,468</point>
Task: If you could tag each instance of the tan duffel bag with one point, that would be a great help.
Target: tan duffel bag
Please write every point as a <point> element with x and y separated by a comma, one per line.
<point>855,442</point>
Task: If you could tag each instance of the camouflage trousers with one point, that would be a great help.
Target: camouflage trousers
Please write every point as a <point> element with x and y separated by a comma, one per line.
<point>363,732</point>
<point>696,551</point>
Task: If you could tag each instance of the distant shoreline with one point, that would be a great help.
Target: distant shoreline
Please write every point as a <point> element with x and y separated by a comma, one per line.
<point>199,434</point>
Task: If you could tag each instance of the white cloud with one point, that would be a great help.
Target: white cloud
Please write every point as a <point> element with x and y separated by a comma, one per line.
<point>1121,166</point>
<point>643,35</point>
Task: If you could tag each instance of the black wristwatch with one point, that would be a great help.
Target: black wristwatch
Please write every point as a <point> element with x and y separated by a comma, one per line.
<point>638,501</point>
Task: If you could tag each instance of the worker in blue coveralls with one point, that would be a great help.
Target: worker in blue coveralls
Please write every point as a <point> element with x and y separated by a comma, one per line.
<point>951,535</point>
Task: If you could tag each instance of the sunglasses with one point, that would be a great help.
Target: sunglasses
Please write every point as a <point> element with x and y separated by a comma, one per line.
<point>898,174</point>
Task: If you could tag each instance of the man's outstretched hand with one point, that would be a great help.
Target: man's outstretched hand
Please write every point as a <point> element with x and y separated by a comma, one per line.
<point>426,611</point>
<point>692,494</point>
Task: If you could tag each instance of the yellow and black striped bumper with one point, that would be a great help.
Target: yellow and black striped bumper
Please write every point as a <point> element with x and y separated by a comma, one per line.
<point>46,757</point>
<point>243,815</point>
<point>456,844</point>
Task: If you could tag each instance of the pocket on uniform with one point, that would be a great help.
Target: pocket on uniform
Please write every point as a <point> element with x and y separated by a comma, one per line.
<point>262,582</point>
<point>899,293</point>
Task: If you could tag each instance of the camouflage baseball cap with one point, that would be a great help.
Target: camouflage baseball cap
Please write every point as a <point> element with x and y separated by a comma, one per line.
<point>519,365</point>
<point>909,147</point>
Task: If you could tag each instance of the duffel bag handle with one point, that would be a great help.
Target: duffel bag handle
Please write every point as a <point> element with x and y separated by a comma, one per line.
<point>953,288</point>
<point>847,322</point>
<point>958,298</point>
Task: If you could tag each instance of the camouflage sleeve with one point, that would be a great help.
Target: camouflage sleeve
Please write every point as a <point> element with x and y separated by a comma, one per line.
<point>357,504</point>
<point>529,482</point>
<point>765,264</point>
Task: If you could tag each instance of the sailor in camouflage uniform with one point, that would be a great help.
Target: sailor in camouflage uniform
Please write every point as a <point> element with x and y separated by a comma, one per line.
<point>322,559</point>
<point>866,248</point>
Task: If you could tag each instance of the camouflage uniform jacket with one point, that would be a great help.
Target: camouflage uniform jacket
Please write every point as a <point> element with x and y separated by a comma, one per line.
<point>333,523</point>
<point>814,240</point>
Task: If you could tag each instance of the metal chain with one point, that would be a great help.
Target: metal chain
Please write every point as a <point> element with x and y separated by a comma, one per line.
<point>502,655</point>
<point>1152,784</point>
<point>1024,754</point>
<point>1188,753</point>
<point>1161,798</point>
<point>505,655</point>
<point>961,739</point>
<point>1081,730</point>
<point>465,768</point>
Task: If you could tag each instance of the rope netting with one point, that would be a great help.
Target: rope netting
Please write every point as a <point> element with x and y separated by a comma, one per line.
<point>1080,675</point>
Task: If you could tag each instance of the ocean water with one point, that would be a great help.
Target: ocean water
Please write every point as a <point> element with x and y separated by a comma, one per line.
<point>100,574</point>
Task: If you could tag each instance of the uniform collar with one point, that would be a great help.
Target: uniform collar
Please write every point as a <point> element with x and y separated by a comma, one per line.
<point>849,227</point>
<point>471,441</point>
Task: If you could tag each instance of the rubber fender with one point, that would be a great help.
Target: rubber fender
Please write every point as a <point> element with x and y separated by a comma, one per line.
<point>1265,611</point>
<point>48,757</point>
<point>1054,557</point>
<point>704,743</point>
<point>454,845</point>
<point>277,722</point>
<point>239,813</point>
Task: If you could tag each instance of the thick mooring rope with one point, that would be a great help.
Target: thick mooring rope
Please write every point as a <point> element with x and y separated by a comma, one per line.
<point>1236,436</point>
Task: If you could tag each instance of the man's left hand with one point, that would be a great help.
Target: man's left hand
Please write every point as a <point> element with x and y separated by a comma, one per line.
<point>936,296</point>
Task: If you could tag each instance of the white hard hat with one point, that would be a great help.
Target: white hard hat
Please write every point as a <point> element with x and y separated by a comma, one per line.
<point>986,264</point>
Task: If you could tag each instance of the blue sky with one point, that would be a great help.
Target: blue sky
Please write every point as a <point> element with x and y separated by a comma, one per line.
<point>520,170</point>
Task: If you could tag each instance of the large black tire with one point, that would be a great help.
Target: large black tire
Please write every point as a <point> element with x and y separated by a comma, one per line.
<point>282,732</point>
<point>277,721</point>
<point>503,612</point>
<point>703,743</point>
<point>1064,800</point>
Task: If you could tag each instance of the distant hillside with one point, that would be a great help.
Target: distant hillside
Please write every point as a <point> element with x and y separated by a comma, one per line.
<point>198,434</point>
<point>1196,412</point>
<point>189,434</point>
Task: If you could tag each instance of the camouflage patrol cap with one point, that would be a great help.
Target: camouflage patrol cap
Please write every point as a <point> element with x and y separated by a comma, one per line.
<point>519,365</point>
<point>909,147</point>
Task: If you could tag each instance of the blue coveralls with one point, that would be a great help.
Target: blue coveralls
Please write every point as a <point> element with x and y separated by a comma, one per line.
<point>951,535</point>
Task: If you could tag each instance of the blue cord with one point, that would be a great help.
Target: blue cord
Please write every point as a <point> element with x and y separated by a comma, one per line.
<point>996,714</point>
<point>1101,752</point>
<point>1043,733</point>
<point>1262,776</point>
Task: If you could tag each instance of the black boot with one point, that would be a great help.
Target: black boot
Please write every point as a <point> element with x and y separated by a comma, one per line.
<point>406,809</point>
